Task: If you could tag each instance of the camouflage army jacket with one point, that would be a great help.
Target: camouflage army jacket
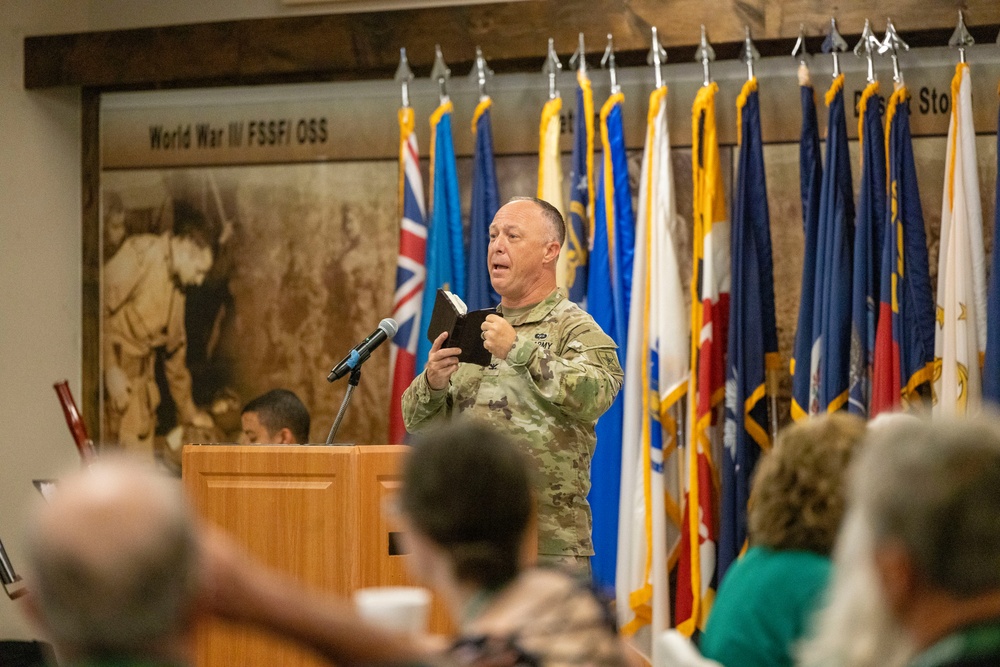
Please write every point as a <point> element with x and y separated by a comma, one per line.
<point>561,374</point>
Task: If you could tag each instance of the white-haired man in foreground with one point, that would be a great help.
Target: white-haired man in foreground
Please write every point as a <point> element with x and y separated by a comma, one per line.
<point>119,573</point>
<point>923,533</point>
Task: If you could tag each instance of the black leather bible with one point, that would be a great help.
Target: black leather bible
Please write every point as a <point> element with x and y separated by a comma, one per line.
<point>464,328</point>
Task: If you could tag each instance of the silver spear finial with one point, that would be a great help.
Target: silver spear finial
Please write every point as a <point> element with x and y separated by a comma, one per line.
<point>440,73</point>
<point>749,52</point>
<point>961,39</point>
<point>578,60</point>
<point>551,69</point>
<point>866,47</point>
<point>835,45</point>
<point>608,62</point>
<point>705,54</point>
<point>480,73</point>
<point>891,44</point>
<point>657,56</point>
<point>404,75</point>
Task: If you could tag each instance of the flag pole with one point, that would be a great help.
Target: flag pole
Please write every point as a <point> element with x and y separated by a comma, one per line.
<point>440,73</point>
<point>551,69</point>
<point>608,61</point>
<point>799,50</point>
<point>749,53</point>
<point>866,47</point>
<point>657,56</point>
<point>834,44</point>
<point>891,45</point>
<point>480,73</point>
<point>404,75</point>
<point>705,54</point>
<point>961,39</point>
<point>579,58</point>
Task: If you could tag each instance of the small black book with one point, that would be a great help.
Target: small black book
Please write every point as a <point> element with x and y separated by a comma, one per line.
<point>464,328</point>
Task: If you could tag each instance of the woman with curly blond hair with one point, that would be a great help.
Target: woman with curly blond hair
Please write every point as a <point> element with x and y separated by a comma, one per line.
<point>796,506</point>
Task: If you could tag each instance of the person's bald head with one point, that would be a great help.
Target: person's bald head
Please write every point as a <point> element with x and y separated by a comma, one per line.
<point>525,238</point>
<point>113,560</point>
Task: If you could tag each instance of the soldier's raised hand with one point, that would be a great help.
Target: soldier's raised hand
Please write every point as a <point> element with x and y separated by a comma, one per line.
<point>441,363</point>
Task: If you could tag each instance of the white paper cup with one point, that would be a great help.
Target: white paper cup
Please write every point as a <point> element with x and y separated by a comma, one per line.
<point>402,608</point>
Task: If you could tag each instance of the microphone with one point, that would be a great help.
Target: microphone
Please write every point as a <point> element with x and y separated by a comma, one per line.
<point>359,355</point>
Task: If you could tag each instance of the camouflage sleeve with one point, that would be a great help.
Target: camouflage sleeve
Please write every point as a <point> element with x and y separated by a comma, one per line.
<point>421,404</point>
<point>582,379</point>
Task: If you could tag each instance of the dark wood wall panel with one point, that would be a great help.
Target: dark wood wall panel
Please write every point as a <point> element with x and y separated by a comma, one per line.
<point>513,36</point>
<point>90,189</point>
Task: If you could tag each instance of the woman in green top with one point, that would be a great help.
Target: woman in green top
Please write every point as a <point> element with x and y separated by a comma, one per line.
<point>768,596</point>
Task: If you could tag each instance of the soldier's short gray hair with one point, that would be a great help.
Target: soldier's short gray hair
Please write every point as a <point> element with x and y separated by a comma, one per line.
<point>551,215</point>
<point>935,488</point>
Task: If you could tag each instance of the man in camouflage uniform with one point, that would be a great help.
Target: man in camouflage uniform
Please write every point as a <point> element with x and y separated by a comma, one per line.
<point>144,300</point>
<point>553,373</point>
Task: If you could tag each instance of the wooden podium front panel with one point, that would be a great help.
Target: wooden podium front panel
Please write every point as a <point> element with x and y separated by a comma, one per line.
<point>289,506</point>
<point>378,480</point>
<point>379,475</point>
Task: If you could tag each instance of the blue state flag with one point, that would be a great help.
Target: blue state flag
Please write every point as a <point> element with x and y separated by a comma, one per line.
<point>610,264</point>
<point>753,335</point>
<point>831,350</point>
<point>445,245</point>
<point>868,232</point>
<point>485,203</point>
<point>904,343</point>
<point>581,192</point>
<point>991,367</point>
<point>810,182</point>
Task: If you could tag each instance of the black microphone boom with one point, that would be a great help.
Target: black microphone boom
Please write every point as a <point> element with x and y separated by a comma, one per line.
<point>359,355</point>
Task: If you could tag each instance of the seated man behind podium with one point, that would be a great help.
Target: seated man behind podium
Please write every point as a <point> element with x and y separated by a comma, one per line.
<point>552,374</point>
<point>275,418</point>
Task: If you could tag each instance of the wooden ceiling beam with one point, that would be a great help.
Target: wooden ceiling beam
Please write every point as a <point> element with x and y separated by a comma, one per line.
<point>513,37</point>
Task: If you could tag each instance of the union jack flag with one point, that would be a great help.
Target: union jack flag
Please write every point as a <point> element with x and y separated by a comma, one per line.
<point>410,272</point>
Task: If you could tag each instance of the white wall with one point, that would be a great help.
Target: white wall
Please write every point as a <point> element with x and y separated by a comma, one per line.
<point>39,273</point>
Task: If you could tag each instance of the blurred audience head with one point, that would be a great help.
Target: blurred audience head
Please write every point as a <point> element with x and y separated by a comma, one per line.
<point>467,491</point>
<point>932,494</point>
<point>113,565</point>
<point>797,501</point>
<point>275,418</point>
<point>919,553</point>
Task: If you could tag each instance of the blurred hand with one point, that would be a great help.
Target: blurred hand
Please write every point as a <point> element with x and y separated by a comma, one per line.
<point>498,336</point>
<point>226,575</point>
<point>118,386</point>
<point>441,363</point>
<point>202,419</point>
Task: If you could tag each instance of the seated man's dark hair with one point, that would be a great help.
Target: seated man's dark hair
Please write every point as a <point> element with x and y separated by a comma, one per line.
<point>281,408</point>
<point>191,223</point>
<point>468,489</point>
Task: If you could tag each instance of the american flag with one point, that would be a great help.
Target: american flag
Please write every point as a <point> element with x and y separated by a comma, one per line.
<point>410,272</point>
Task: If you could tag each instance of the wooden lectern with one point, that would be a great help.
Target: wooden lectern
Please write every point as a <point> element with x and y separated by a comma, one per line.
<point>312,511</point>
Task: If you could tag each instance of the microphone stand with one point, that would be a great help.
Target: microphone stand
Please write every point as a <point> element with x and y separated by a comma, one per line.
<point>352,382</point>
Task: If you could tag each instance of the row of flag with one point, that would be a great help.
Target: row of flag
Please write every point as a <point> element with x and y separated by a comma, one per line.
<point>432,248</point>
<point>677,450</point>
<point>871,335</point>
